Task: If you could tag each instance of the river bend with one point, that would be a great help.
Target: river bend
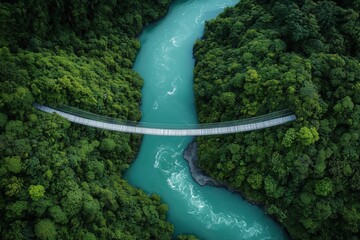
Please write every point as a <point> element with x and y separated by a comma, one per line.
<point>166,63</point>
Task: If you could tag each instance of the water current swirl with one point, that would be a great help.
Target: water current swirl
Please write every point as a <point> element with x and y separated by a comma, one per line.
<point>166,63</point>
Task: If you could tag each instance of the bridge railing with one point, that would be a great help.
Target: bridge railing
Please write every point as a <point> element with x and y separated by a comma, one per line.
<point>99,118</point>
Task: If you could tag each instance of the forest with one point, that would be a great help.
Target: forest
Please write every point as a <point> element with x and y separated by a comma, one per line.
<point>266,55</point>
<point>60,180</point>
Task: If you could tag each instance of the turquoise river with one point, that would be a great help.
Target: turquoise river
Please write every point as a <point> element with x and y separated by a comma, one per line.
<point>166,63</point>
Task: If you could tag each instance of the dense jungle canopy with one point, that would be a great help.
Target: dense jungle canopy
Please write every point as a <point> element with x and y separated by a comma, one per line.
<point>63,181</point>
<point>59,180</point>
<point>266,55</point>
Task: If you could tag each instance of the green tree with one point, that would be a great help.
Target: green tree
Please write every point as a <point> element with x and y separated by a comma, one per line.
<point>308,136</point>
<point>17,209</point>
<point>72,202</point>
<point>13,187</point>
<point>323,187</point>
<point>322,210</point>
<point>58,214</point>
<point>270,185</point>
<point>36,192</point>
<point>3,120</point>
<point>13,164</point>
<point>345,105</point>
<point>107,144</point>
<point>351,214</point>
<point>186,237</point>
<point>289,137</point>
<point>255,181</point>
<point>45,230</point>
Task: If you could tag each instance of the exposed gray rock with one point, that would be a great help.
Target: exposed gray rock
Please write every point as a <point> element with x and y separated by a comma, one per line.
<point>190,155</point>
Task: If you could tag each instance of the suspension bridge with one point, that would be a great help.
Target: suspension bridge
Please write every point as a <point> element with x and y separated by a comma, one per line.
<point>242,125</point>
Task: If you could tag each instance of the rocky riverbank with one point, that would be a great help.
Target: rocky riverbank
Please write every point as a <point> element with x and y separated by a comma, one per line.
<point>190,155</point>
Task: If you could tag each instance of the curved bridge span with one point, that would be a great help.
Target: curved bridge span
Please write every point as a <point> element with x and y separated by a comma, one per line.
<point>242,125</point>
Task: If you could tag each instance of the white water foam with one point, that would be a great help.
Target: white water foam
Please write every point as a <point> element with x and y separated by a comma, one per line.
<point>168,161</point>
<point>198,17</point>
<point>156,105</point>
<point>179,180</point>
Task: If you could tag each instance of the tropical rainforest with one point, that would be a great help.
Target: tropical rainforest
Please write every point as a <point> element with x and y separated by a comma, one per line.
<point>60,180</point>
<point>266,55</point>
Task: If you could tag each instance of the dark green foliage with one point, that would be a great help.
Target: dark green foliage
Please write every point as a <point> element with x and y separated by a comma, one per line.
<point>45,230</point>
<point>186,237</point>
<point>263,56</point>
<point>59,180</point>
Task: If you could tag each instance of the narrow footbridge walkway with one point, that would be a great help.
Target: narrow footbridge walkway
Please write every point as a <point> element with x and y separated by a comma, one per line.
<point>242,125</point>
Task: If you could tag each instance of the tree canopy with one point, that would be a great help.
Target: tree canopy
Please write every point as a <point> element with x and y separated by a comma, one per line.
<point>59,180</point>
<point>262,56</point>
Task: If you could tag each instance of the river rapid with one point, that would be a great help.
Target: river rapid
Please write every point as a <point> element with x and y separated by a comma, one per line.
<point>166,63</point>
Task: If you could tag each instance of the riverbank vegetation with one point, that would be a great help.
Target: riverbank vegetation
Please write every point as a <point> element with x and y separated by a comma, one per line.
<point>263,56</point>
<point>61,180</point>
